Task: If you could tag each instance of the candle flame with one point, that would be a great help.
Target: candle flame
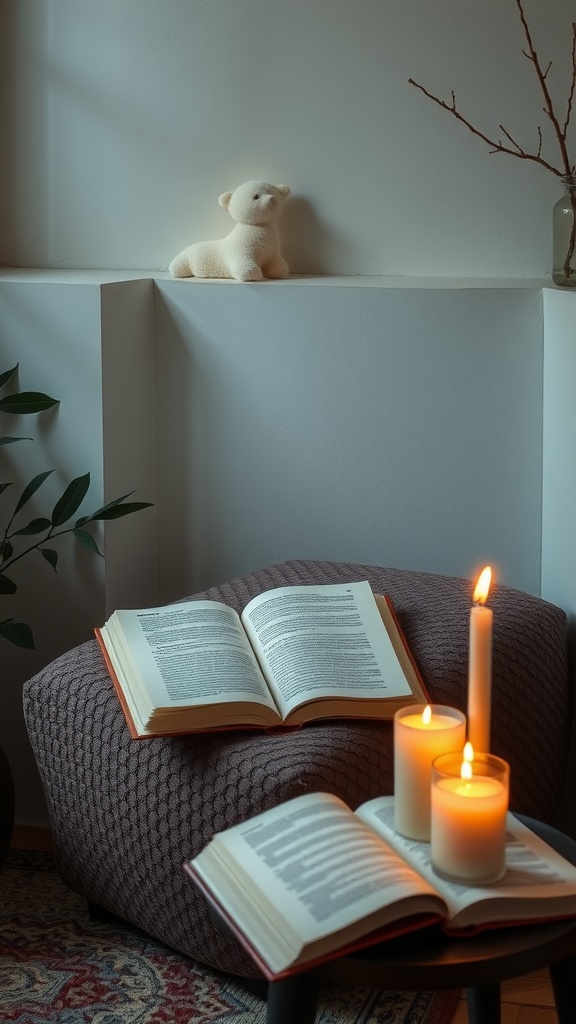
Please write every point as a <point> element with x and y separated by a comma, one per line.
<point>427,715</point>
<point>483,586</point>
<point>468,755</point>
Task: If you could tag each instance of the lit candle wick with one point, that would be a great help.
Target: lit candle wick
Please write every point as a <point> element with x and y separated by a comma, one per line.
<point>466,768</point>
<point>482,588</point>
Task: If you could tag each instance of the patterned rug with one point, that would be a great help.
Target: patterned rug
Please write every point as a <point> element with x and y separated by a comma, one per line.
<point>57,966</point>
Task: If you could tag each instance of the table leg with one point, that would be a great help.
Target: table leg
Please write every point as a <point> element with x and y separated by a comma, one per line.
<point>563,975</point>
<point>483,1004</point>
<point>292,1000</point>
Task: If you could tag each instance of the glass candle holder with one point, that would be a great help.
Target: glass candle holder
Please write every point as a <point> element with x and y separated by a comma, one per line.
<point>468,823</point>
<point>421,733</point>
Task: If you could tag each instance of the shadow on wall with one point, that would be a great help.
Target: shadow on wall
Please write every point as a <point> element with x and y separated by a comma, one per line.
<point>311,245</point>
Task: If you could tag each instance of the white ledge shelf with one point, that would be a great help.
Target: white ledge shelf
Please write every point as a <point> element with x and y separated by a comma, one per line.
<point>68,276</point>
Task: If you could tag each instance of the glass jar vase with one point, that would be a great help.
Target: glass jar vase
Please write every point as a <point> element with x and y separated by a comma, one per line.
<point>564,235</point>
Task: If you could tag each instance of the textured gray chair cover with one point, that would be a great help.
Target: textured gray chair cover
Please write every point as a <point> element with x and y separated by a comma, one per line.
<point>125,813</point>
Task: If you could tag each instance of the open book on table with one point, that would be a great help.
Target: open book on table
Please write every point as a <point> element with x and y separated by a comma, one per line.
<point>310,879</point>
<point>296,654</point>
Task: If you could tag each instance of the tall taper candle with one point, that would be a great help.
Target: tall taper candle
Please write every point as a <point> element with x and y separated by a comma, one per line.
<point>480,666</point>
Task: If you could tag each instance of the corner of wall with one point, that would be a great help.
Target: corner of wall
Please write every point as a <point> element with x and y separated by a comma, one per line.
<point>128,411</point>
<point>559,446</point>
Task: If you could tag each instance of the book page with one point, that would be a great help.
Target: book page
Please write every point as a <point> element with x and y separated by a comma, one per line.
<point>194,653</point>
<point>538,882</point>
<point>323,641</point>
<point>306,869</point>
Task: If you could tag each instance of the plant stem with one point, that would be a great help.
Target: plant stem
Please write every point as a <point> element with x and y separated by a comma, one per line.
<point>49,536</point>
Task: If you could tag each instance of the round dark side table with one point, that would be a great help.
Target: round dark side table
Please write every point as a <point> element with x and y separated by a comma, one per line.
<point>431,961</point>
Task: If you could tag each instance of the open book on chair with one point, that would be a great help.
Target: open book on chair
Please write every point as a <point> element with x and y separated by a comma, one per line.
<point>310,880</point>
<point>296,654</point>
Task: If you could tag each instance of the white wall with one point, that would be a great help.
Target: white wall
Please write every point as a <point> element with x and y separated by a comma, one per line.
<point>559,483</point>
<point>559,447</point>
<point>125,119</point>
<point>40,330</point>
<point>386,425</point>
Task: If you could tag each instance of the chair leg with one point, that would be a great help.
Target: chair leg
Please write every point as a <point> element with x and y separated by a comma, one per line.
<point>256,986</point>
<point>483,1004</point>
<point>292,1000</point>
<point>563,976</point>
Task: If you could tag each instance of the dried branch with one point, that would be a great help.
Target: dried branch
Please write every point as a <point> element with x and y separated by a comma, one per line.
<point>508,136</point>
<point>496,147</point>
<point>573,82</point>
<point>549,106</point>
<point>565,166</point>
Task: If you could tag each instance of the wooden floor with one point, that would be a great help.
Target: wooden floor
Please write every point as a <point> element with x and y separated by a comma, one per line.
<point>526,1000</point>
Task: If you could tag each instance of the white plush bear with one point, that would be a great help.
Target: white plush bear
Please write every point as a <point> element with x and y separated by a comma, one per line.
<point>250,252</point>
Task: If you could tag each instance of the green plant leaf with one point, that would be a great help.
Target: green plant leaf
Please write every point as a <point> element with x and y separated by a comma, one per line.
<point>70,501</point>
<point>6,585</point>
<point>34,526</point>
<point>31,489</point>
<point>5,377</point>
<point>87,540</point>
<point>117,511</point>
<point>17,633</point>
<point>12,440</point>
<point>26,403</point>
<point>111,504</point>
<point>51,557</point>
<point>7,550</point>
<point>4,486</point>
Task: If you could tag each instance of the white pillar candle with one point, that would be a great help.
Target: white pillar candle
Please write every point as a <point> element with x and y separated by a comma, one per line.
<point>421,734</point>
<point>468,828</point>
<point>480,666</point>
